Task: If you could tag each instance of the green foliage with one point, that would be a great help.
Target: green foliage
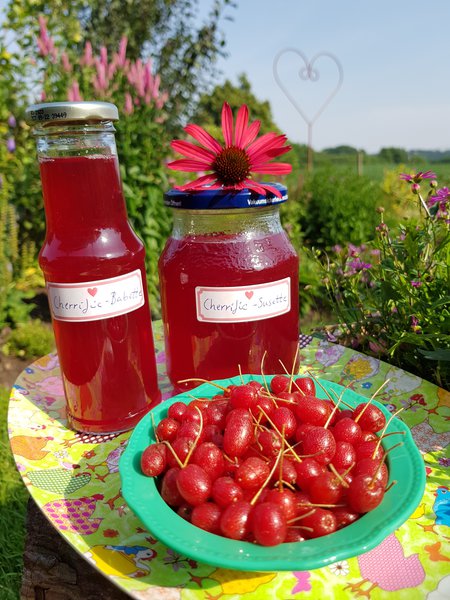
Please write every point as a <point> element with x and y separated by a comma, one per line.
<point>78,51</point>
<point>338,207</point>
<point>209,107</point>
<point>392,296</point>
<point>393,155</point>
<point>30,340</point>
<point>13,499</point>
<point>13,265</point>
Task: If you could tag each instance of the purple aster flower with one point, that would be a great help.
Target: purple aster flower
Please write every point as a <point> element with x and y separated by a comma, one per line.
<point>442,195</point>
<point>337,248</point>
<point>353,250</point>
<point>11,144</point>
<point>12,121</point>
<point>417,177</point>
<point>359,265</point>
<point>416,284</point>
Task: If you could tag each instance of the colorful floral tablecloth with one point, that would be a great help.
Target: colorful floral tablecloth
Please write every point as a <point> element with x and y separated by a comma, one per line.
<point>75,481</point>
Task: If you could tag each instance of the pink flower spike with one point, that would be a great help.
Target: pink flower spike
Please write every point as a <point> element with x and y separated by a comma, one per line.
<point>227,124</point>
<point>87,57</point>
<point>104,56</point>
<point>128,108</point>
<point>73,93</point>
<point>122,51</point>
<point>66,62</point>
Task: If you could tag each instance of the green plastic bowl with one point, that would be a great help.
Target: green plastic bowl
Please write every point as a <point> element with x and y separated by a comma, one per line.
<point>405,466</point>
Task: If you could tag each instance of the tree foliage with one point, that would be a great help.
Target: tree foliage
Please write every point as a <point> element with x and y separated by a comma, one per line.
<point>210,104</point>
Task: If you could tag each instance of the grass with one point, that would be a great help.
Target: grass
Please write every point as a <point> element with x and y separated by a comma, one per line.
<point>13,501</point>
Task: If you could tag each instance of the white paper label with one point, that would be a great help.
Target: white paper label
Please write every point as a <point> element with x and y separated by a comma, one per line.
<point>243,303</point>
<point>95,300</point>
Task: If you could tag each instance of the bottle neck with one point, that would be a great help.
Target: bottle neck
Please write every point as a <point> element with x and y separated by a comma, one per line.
<point>245,222</point>
<point>80,177</point>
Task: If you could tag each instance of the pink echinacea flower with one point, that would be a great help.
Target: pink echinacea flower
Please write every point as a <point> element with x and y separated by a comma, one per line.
<point>417,177</point>
<point>232,163</point>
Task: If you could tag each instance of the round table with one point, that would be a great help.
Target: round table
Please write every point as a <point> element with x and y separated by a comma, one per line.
<point>74,479</point>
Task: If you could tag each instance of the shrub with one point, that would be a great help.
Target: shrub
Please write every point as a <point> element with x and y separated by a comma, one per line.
<point>392,295</point>
<point>338,208</point>
<point>30,340</point>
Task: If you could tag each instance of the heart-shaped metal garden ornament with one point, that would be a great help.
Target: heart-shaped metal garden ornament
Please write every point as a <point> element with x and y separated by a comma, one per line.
<point>308,72</point>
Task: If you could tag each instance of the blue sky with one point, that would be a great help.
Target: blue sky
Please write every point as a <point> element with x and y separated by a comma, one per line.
<point>395,57</point>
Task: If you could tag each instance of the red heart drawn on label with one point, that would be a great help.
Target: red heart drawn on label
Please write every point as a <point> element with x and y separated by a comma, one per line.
<point>92,291</point>
<point>249,295</point>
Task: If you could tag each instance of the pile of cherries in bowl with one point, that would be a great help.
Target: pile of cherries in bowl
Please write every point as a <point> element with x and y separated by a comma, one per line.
<point>270,464</point>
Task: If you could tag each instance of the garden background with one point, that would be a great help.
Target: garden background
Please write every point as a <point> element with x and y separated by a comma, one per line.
<point>374,249</point>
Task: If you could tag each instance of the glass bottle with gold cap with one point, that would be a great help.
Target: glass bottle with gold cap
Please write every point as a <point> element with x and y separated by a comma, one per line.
<point>93,264</point>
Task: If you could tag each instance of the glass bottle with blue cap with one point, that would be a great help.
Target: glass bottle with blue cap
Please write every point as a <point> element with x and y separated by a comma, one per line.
<point>229,286</point>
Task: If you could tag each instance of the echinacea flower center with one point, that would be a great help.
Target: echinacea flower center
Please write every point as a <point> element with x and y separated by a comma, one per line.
<point>231,166</point>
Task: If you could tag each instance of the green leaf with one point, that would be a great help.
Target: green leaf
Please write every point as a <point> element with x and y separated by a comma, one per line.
<point>442,354</point>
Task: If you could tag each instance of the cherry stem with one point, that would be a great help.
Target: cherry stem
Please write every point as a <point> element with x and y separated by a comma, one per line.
<point>294,382</point>
<point>310,529</point>
<point>299,518</point>
<point>197,437</point>
<point>391,485</point>
<point>380,388</point>
<point>269,477</point>
<point>338,475</point>
<point>154,427</point>
<point>280,434</point>
<point>291,379</point>
<point>280,475</point>
<point>224,389</point>
<point>333,412</point>
<point>382,460</point>
<point>240,374</point>
<point>174,454</point>
<point>266,385</point>
<point>382,434</point>
<point>327,393</point>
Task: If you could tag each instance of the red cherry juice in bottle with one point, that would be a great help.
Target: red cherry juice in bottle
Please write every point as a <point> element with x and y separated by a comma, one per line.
<point>94,268</point>
<point>229,292</point>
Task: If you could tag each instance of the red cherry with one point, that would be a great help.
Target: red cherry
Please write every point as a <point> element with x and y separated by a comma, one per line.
<point>307,471</point>
<point>314,411</point>
<point>169,489</point>
<point>243,396</point>
<point>225,491</point>
<point>234,522</point>
<point>208,456</point>
<point>284,420</point>
<point>154,460</point>
<point>369,417</point>
<point>364,494</point>
<point>167,429</point>
<point>319,443</point>
<point>177,410</point>
<point>194,484</point>
<point>268,524</point>
<point>346,430</point>
<point>345,455</point>
<point>279,383</point>
<point>285,499</point>
<point>252,473</point>
<point>207,516</point>
<point>238,433</point>
<point>321,521</point>
<point>306,385</point>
